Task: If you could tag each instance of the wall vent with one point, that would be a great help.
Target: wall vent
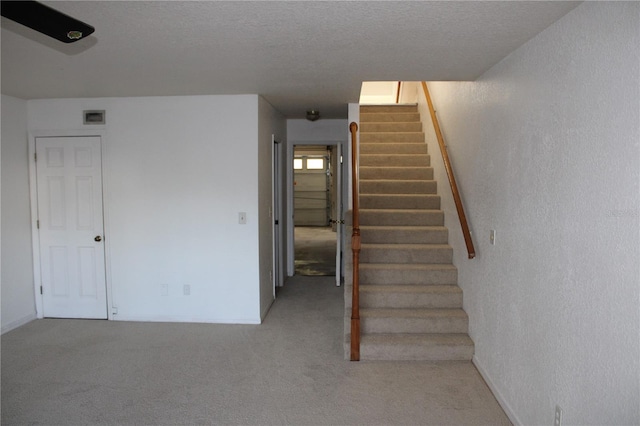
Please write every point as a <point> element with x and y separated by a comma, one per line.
<point>93,117</point>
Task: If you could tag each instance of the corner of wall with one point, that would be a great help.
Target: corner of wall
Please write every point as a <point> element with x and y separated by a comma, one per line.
<point>18,295</point>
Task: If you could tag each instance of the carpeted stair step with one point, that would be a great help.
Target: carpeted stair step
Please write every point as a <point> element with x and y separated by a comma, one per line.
<point>408,274</point>
<point>411,296</point>
<point>404,234</point>
<point>383,320</point>
<point>393,148</point>
<point>401,173</point>
<point>406,253</point>
<point>411,126</point>
<point>387,117</point>
<point>396,186</point>
<point>390,137</point>
<point>395,160</point>
<point>389,108</point>
<point>416,347</point>
<point>400,201</point>
<point>401,217</point>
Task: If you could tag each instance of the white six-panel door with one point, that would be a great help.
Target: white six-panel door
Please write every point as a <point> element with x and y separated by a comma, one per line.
<point>71,237</point>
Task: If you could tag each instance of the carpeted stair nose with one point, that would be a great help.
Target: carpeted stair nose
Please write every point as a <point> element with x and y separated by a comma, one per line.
<point>400,201</point>
<point>396,172</point>
<point>388,117</point>
<point>395,148</point>
<point>391,127</point>
<point>402,217</point>
<point>410,274</point>
<point>397,186</point>
<point>416,347</point>
<point>394,320</point>
<point>410,296</point>
<point>410,303</point>
<point>395,160</point>
<point>406,253</point>
<point>404,234</point>
<point>391,137</point>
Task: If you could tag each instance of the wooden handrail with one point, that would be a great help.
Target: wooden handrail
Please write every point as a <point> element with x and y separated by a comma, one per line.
<point>452,180</point>
<point>355,247</point>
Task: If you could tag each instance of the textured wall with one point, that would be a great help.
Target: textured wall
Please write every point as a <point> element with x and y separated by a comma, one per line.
<point>177,171</point>
<point>17,264</point>
<point>546,146</point>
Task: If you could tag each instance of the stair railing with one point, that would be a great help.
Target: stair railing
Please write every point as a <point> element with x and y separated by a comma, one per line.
<point>452,180</point>
<point>355,246</point>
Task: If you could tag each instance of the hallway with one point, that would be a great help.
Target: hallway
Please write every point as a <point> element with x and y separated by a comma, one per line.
<point>289,370</point>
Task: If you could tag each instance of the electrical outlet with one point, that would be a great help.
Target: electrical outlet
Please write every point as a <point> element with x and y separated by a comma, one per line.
<point>242,218</point>
<point>492,237</point>
<point>164,289</point>
<point>186,289</point>
<point>558,418</point>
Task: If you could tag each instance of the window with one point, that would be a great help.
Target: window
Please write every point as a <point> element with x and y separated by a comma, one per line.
<point>315,163</point>
<point>297,164</point>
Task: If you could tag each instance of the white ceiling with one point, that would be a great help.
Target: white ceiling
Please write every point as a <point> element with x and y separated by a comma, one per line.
<point>299,55</point>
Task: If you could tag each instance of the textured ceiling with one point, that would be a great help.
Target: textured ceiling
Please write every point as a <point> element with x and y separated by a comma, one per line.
<point>298,55</point>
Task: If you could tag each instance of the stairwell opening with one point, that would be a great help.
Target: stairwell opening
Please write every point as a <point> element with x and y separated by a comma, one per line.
<point>410,304</point>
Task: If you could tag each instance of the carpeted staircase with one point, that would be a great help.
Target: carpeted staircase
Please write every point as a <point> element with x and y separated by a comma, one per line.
<point>410,303</point>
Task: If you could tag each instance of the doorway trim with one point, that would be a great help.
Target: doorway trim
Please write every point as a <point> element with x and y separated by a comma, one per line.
<point>289,179</point>
<point>33,196</point>
<point>277,184</point>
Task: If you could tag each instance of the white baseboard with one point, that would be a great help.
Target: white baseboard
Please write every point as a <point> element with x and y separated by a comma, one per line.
<point>499,397</point>
<point>17,323</point>
<point>179,319</point>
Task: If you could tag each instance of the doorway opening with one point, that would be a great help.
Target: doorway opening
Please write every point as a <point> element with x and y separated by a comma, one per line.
<point>317,209</point>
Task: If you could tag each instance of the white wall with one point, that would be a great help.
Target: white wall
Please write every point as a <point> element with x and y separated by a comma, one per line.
<point>378,92</point>
<point>547,149</point>
<point>18,305</point>
<point>301,131</point>
<point>270,123</point>
<point>410,92</point>
<point>386,92</point>
<point>177,172</point>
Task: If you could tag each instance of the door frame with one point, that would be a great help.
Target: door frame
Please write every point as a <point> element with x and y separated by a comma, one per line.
<point>290,236</point>
<point>33,196</point>
<point>276,212</point>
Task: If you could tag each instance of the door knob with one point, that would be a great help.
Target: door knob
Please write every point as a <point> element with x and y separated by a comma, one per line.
<point>98,238</point>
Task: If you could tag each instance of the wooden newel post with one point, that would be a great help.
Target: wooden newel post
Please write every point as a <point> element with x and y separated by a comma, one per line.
<point>355,248</point>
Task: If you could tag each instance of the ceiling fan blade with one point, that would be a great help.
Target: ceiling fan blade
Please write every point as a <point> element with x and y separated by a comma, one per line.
<point>46,20</point>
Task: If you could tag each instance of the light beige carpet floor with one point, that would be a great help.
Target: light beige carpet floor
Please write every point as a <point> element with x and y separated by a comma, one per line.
<point>289,370</point>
